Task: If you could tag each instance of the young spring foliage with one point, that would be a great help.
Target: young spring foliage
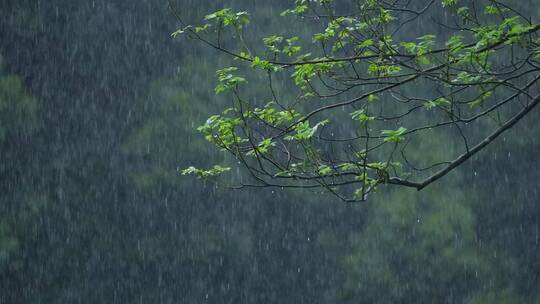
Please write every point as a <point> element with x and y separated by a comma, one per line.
<point>364,86</point>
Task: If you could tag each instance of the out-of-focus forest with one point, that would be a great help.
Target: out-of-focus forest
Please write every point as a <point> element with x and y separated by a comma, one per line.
<point>98,110</point>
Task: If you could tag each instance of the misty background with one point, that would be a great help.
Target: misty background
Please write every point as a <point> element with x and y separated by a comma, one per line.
<point>98,110</point>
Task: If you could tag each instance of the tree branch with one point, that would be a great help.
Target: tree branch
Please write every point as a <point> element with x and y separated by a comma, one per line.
<point>463,157</point>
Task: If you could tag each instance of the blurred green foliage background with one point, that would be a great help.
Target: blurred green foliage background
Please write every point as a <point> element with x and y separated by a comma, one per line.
<point>98,109</point>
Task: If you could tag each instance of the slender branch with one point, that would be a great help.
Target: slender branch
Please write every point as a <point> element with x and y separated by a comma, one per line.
<point>465,156</point>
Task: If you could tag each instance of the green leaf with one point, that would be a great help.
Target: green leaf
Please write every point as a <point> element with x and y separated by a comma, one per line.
<point>297,10</point>
<point>227,80</point>
<point>325,170</point>
<point>178,32</point>
<point>304,131</point>
<point>385,16</point>
<point>199,29</point>
<point>227,17</point>
<point>455,43</point>
<point>201,173</point>
<point>262,148</point>
<point>450,3</point>
<point>264,65</point>
<point>272,42</point>
<point>466,78</point>
<point>441,101</point>
<point>481,99</point>
<point>361,116</point>
<point>395,136</point>
<point>372,98</point>
<point>366,43</point>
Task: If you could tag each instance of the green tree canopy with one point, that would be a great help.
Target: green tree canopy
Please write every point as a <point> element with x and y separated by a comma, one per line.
<point>359,94</point>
